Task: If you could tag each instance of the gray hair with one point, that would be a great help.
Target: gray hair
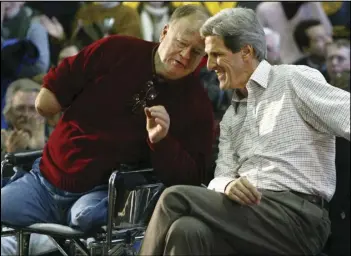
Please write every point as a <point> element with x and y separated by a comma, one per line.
<point>339,43</point>
<point>24,84</point>
<point>189,10</point>
<point>237,27</point>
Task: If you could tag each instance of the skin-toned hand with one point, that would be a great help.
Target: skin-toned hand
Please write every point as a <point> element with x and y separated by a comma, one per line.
<point>243,192</point>
<point>157,123</point>
<point>16,140</point>
<point>53,27</point>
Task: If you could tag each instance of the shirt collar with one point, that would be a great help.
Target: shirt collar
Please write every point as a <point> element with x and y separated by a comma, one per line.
<point>261,74</point>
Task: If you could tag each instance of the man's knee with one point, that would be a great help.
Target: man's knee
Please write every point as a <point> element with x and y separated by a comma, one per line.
<point>89,212</point>
<point>190,232</point>
<point>173,195</point>
<point>190,227</point>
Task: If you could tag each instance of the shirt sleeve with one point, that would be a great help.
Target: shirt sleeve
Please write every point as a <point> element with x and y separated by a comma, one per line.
<point>323,106</point>
<point>226,164</point>
<point>68,79</point>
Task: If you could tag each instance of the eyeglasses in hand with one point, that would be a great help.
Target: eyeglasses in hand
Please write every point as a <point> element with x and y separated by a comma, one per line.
<point>141,99</point>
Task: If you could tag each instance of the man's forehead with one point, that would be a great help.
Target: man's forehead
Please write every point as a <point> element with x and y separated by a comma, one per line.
<point>213,42</point>
<point>316,29</point>
<point>187,25</point>
<point>20,94</point>
<point>341,50</point>
<point>191,36</point>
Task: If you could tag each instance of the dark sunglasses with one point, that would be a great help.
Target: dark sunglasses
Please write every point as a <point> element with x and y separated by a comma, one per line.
<point>142,99</point>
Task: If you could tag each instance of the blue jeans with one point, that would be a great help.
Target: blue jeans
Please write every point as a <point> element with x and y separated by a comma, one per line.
<point>29,198</point>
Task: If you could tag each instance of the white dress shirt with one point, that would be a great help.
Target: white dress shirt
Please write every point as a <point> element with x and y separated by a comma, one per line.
<point>282,136</point>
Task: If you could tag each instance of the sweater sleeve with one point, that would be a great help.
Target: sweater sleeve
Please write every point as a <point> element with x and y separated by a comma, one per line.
<point>69,79</point>
<point>186,160</point>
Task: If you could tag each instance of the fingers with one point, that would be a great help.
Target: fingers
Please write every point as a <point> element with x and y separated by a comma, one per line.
<point>44,20</point>
<point>162,123</point>
<point>20,135</point>
<point>147,112</point>
<point>17,140</point>
<point>243,192</point>
<point>255,195</point>
<point>243,196</point>
<point>237,199</point>
<point>157,112</point>
<point>55,20</point>
<point>158,109</point>
<point>161,116</point>
<point>3,133</point>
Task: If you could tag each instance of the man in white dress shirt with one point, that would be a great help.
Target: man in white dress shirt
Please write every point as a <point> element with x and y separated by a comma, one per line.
<point>275,171</point>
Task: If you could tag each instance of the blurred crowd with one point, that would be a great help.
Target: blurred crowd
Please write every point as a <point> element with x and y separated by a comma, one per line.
<point>37,36</point>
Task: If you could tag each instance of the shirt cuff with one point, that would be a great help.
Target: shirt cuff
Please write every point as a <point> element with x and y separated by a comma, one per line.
<point>219,184</point>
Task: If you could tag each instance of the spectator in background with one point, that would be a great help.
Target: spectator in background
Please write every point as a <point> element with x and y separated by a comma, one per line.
<point>273,46</point>
<point>26,127</point>
<point>96,20</point>
<point>311,37</point>
<point>338,63</point>
<point>339,15</point>
<point>17,24</point>
<point>24,46</point>
<point>64,12</point>
<point>67,51</point>
<point>283,17</point>
<point>153,17</point>
<point>338,66</point>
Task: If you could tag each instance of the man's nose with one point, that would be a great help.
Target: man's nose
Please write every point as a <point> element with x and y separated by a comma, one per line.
<point>327,40</point>
<point>334,62</point>
<point>211,64</point>
<point>186,53</point>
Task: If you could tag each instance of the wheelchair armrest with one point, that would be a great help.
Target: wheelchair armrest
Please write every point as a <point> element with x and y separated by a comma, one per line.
<point>132,196</point>
<point>128,180</point>
<point>22,158</point>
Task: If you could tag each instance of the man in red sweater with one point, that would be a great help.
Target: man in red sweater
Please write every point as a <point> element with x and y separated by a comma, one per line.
<point>109,92</point>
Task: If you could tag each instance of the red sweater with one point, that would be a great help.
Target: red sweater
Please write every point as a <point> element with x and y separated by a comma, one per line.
<point>98,130</point>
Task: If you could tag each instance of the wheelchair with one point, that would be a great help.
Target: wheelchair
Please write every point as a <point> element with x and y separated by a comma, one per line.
<point>132,196</point>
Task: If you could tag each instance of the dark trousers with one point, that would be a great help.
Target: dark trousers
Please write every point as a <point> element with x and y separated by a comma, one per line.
<point>192,220</point>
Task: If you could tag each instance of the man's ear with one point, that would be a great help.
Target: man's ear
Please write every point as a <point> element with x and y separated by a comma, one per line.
<point>164,32</point>
<point>247,51</point>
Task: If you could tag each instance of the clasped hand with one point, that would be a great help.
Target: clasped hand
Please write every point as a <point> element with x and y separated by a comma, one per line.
<point>243,192</point>
<point>157,123</point>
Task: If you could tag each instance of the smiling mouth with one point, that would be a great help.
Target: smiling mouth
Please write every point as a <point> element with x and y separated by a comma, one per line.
<point>220,75</point>
<point>179,64</point>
